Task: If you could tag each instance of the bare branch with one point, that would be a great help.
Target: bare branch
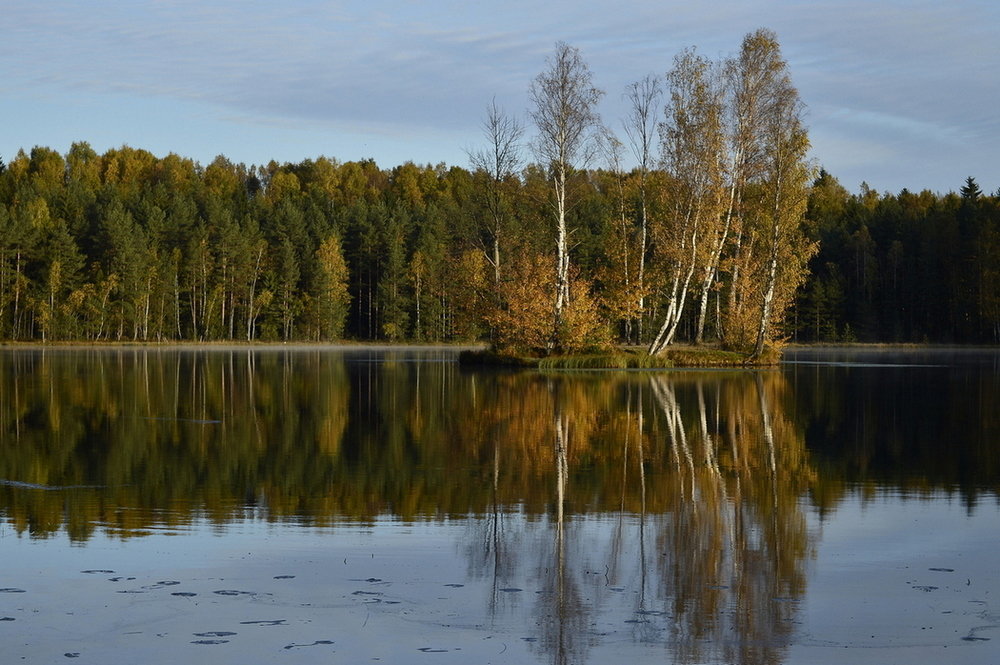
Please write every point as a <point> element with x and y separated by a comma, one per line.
<point>640,125</point>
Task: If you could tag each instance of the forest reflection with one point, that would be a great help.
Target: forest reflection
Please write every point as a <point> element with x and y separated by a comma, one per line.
<point>694,478</point>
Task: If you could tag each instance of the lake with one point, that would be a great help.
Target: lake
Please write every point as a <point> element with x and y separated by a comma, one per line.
<point>311,504</point>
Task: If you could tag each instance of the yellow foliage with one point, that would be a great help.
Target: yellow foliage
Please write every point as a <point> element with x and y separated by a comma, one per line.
<point>469,293</point>
<point>334,297</point>
<point>283,184</point>
<point>583,327</point>
<point>524,318</point>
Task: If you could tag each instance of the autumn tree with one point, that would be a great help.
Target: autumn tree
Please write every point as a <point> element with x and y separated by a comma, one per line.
<point>753,78</point>
<point>692,147</point>
<point>640,126</point>
<point>564,102</point>
<point>473,298</point>
<point>332,298</point>
<point>787,184</point>
<point>768,194</point>
<point>521,321</point>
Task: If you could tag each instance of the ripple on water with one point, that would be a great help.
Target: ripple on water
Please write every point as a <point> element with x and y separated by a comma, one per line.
<point>316,643</point>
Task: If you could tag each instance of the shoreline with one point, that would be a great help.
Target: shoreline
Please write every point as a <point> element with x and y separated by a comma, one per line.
<point>229,345</point>
<point>479,355</point>
<point>622,358</point>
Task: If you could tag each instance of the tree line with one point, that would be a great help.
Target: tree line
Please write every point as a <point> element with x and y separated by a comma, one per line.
<point>707,237</point>
<point>906,267</point>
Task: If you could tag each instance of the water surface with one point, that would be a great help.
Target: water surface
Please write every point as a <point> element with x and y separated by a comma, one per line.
<point>315,504</point>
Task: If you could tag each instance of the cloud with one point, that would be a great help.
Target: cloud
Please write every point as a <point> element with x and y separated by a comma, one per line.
<point>899,76</point>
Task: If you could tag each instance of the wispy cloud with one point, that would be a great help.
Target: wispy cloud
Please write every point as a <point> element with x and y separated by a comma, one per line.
<point>894,76</point>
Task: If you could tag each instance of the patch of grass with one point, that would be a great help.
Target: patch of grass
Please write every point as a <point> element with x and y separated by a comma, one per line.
<point>613,360</point>
<point>704,357</point>
<point>672,357</point>
<point>583,361</point>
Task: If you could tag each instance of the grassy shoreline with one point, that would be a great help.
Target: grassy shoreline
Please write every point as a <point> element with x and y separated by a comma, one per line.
<point>472,355</point>
<point>623,358</point>
<point>236,344</point>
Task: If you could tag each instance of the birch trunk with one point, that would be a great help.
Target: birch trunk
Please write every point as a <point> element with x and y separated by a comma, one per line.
<point>692,145</point>
<point>564,111</point>
<point>640,127</point>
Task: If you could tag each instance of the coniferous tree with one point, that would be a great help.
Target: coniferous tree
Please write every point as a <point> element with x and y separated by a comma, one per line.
<point>392,291</point>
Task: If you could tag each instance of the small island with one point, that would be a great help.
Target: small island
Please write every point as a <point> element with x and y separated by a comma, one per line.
<point>676,356</point>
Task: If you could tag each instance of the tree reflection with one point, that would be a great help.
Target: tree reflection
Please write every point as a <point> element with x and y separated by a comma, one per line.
<point>157,437</point>
<point>560,610</point>
<point>707,543</point>
<point>661,507</point>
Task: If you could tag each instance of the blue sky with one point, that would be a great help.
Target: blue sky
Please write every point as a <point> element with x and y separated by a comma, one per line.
<point>899,94</point>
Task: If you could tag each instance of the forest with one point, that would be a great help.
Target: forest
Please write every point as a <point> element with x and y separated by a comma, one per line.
<point>719,231</point>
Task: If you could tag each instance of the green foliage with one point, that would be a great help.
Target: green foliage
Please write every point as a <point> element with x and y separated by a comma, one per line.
<point>393,289</point>
<point>127,246</point>
<point>900,268</point>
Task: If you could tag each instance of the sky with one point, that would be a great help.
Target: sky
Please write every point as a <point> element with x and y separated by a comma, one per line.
<point>899,94</point>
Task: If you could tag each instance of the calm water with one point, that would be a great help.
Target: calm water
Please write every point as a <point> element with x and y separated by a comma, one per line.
<point>324,505</point>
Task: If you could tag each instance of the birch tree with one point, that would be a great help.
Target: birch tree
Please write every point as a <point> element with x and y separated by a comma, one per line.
<point>497,163</point>
<point>767,195</point>
<point>756,78</point>
<point>786,191</point>
<point>640,128</point>
<point>564,102</point>
<point>692,149</point>
<point>747,80</point>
